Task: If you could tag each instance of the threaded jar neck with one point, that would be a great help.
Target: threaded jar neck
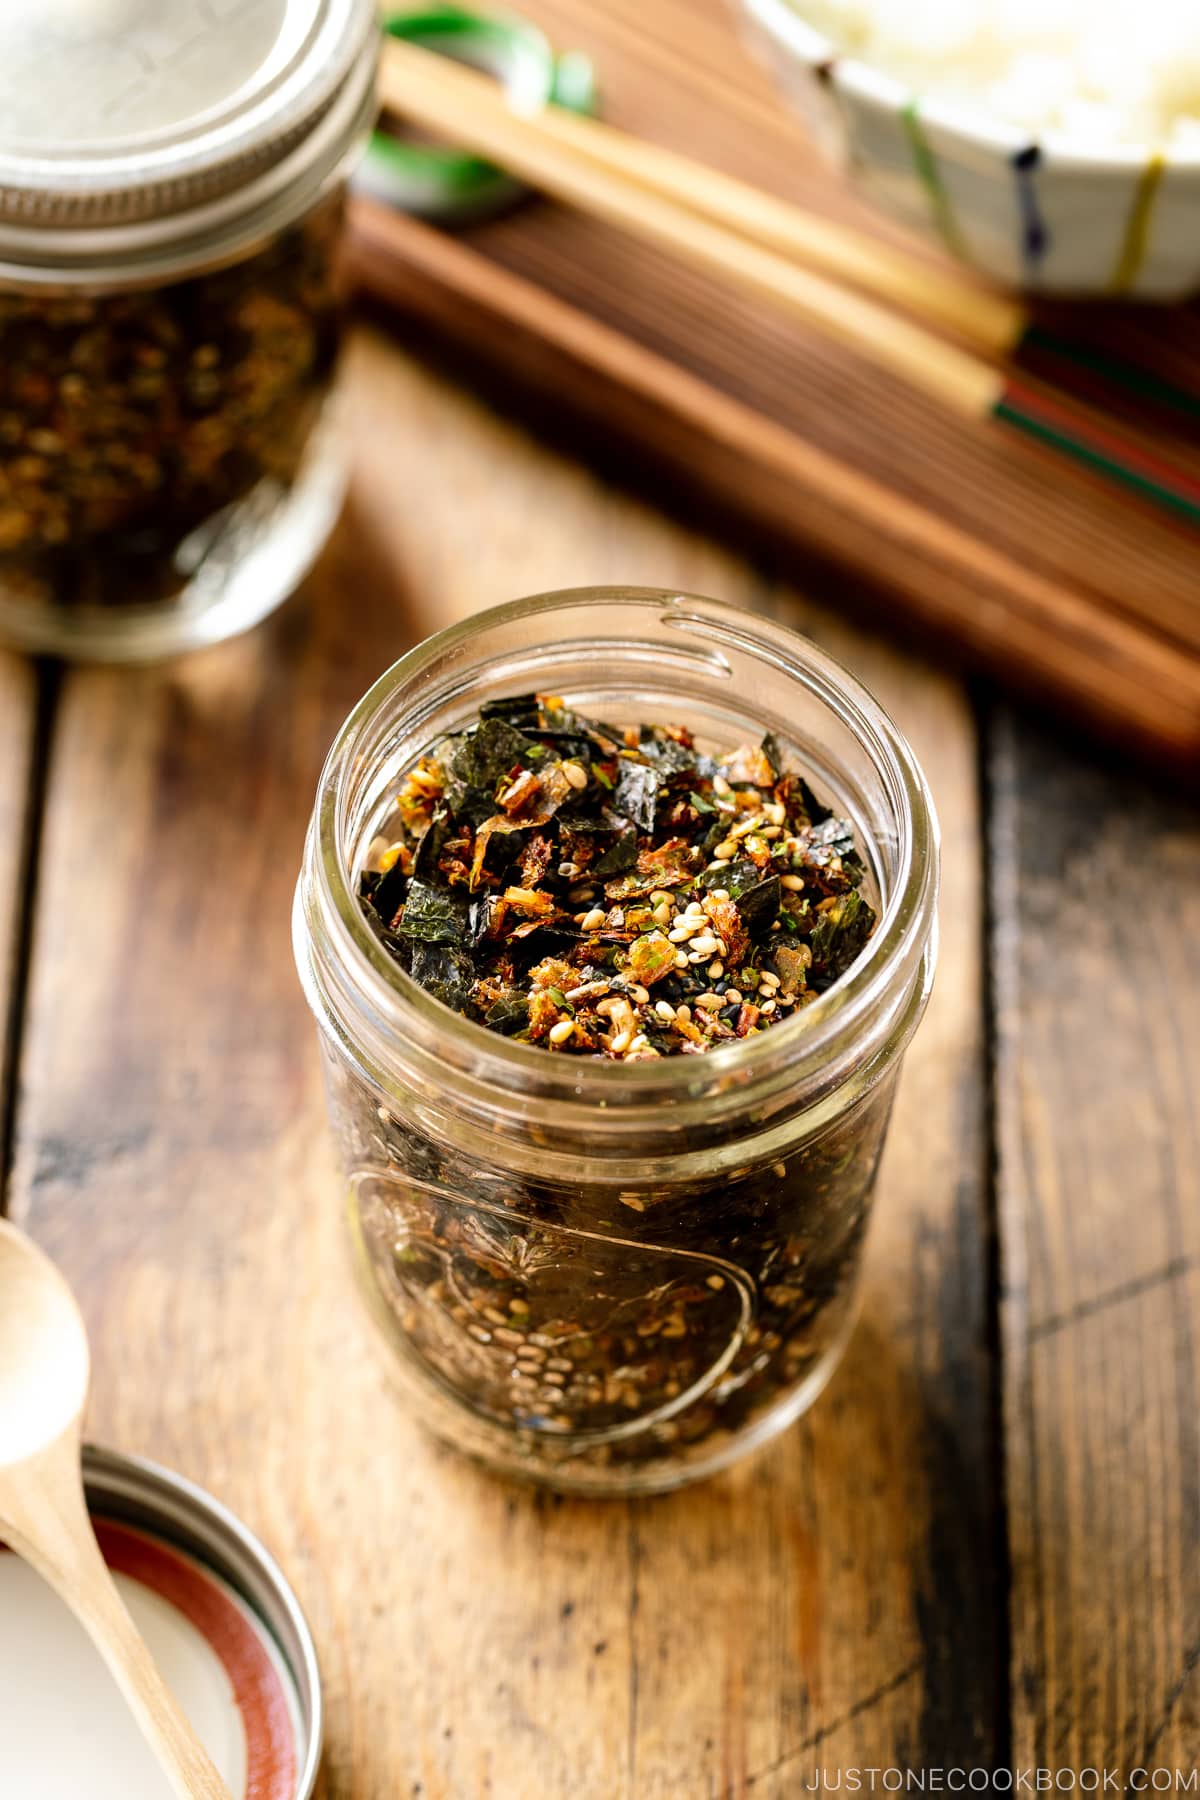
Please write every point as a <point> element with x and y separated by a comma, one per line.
<point>628,655</point>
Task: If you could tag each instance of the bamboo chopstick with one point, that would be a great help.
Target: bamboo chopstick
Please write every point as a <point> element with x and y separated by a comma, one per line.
<point>443,96</point>
<point>1117,668</point>
<point>991,322</point>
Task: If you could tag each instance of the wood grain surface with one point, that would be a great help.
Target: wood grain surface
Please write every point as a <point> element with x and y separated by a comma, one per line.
<point>999,549</point>
<point>828,1601</point>
<point>1097,978</point>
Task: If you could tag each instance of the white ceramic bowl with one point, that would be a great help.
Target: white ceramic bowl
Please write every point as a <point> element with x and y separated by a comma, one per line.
<point>1035,213</point>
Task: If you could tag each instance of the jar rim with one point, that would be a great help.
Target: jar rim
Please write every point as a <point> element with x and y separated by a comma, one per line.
<point>816,1037</point>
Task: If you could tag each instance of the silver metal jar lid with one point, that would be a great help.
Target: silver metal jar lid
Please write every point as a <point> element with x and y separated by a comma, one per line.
<point>128,1491</point>
<point>153,131</point>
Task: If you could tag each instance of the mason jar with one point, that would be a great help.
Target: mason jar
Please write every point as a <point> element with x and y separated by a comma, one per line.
<point>615,1277</point>
<point>171,199</point>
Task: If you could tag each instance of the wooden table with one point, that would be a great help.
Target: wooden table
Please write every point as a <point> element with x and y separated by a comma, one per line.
<point>981,1545</point>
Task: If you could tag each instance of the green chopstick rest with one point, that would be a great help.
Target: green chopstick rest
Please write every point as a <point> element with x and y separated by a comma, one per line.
<point>437,183</point>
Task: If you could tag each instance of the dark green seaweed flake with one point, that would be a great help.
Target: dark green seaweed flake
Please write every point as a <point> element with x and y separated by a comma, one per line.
<point>432,915</point>
<point>487,753</point>
<point>444,971</point>
<point>839,934</point>
<point>636,792</point>
<point>758,906</point>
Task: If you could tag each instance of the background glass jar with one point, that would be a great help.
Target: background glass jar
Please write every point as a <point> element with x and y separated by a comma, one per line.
<point>169,313</point>
<point>615,1277</point>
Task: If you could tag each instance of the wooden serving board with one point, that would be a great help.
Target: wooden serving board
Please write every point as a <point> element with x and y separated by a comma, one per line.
<point>994,550</point>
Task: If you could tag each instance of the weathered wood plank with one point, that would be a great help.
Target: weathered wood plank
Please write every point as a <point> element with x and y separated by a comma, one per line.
<point>18,708</point>
<point>1097,975</point>
<point>829,1599</point>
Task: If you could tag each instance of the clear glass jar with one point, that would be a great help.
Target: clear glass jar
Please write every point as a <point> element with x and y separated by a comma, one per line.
<point>615,1278</point>
<point>170,316</point>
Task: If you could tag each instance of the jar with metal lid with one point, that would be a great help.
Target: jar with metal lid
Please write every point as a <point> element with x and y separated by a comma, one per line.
<point>615,1276</point>
<point>171,191</point>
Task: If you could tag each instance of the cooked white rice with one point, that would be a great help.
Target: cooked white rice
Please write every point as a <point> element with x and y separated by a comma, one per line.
<point>1101,71</point>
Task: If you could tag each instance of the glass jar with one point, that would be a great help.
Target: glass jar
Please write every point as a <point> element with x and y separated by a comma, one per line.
<point>615,1278</point>
<point>170,313</point>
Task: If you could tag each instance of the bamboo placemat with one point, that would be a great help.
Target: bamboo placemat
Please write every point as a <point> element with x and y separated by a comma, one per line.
<point>992,547</point>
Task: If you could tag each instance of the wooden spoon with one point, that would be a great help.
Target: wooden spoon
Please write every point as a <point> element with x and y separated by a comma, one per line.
<point>44,1371</point>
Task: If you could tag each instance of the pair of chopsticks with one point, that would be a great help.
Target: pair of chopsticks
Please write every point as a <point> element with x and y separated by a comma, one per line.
<point>839,283</point>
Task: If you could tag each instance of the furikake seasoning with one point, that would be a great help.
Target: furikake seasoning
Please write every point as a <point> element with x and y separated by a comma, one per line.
<point>134,425</point>
<point>613,893</point>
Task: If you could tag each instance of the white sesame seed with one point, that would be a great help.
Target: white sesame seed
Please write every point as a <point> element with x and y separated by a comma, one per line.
<point>662,913</point>
<point>711,1002</point>
<point>683,1015</point>
<point>640,1042</point>
<point>664,1009</point>
<point>745,826</point>
<point>725,852</point>
<point>721,786</point>
<point>732,997</point>
<point>561,1032</point>
<point>768,1006</point>
<point>681,961</point>
<point>715,971</point>
<point>707,945</point>
<point>682,933</point>
<point>576,774</point>
<point>660,897</point>
<point>621,1043</point>
<point>768,978</point>
<point>638,993</point>
<point>769,831</point>
<point>605,1007</point>
<point>720,893</point>
<point>698,956</point>
<point>792,883</point>
<point>776,812</point>
<point>567,870</point>
<point>593,920</point>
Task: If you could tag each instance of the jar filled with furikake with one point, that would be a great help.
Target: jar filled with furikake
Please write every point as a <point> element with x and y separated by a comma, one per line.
<point>617,915</point>
<point>171,198</point>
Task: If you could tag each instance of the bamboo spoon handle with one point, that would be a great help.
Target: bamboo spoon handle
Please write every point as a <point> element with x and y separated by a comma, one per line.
<point>440,96</point>
<point>990,321</point>
<point>44,1518</point>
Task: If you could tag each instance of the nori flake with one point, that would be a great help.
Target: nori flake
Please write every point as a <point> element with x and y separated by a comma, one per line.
<point>635,793</point>
<point>444,971</point>
<point>841,930</point>
<point>486,753</point>
<point>432,915</point>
